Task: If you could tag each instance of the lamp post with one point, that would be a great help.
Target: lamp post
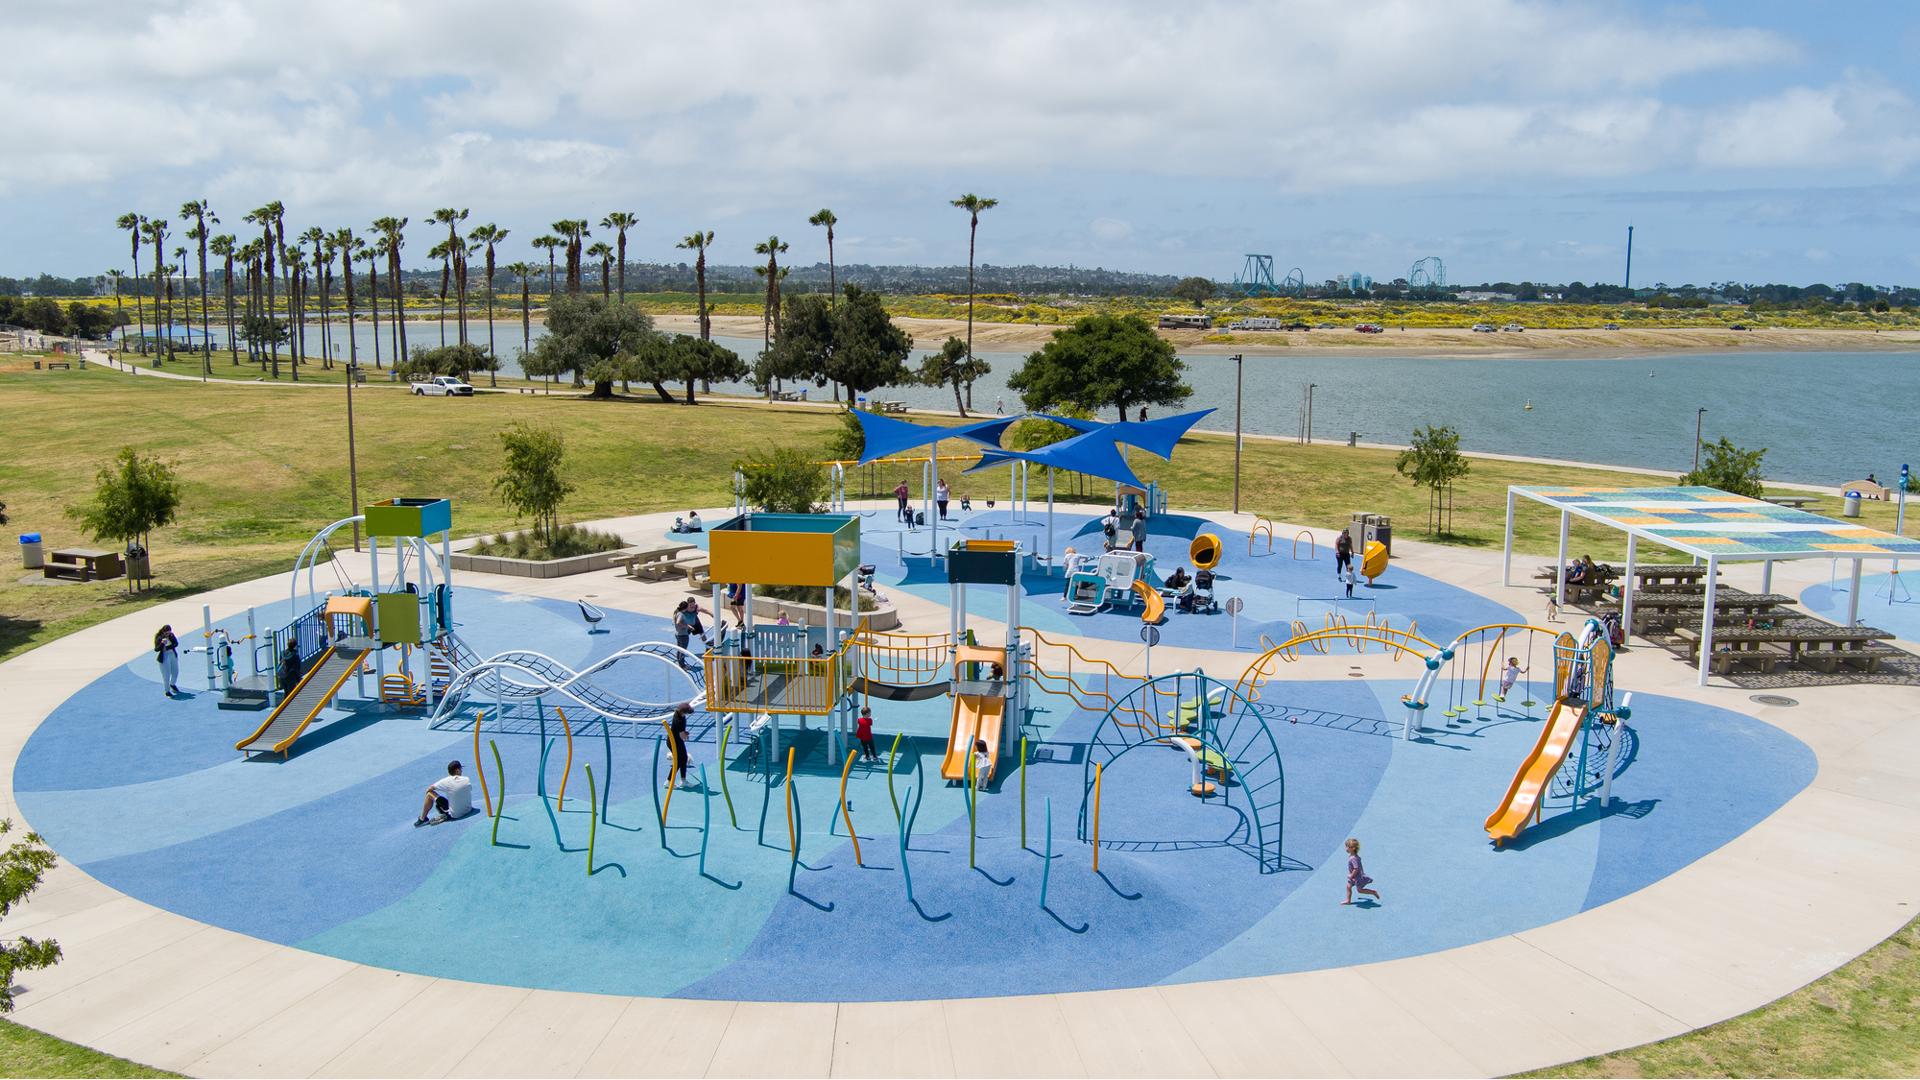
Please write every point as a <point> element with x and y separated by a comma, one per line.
<point>1239,363</point>
<point>1699,418</point>
<point>1309,432</point>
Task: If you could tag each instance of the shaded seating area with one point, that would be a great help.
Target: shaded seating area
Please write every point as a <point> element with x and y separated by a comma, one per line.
<point>1720,628</point>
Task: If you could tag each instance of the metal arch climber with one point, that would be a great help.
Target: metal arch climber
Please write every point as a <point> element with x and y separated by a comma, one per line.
<point>542,675</point>
<point>1224,737</point>
<point>1428,273</point>
<point>1437,661</point>
<point>1404,642</point>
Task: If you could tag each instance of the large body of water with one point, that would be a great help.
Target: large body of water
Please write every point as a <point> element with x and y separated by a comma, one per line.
<point>1824,418</point>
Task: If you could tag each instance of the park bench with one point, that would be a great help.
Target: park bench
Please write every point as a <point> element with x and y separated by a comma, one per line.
<point>52,364</point>
<point>82,564</point>
<point>1793,502</point>
<point>1818,645</point>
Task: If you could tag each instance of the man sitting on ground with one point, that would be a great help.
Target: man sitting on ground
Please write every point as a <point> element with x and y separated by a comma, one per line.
<point>451,795</point>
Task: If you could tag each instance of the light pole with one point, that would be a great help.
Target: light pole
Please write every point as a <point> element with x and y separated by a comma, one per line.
<point>1698,419</point>
<point>1239,363</point>
<point>1310,387</point>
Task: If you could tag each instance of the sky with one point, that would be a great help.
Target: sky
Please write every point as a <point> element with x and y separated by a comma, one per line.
<point>1754,141</point>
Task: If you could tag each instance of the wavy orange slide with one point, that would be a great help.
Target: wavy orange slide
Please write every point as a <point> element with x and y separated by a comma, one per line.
<point>1155,607</point>
<point>1523,795</point>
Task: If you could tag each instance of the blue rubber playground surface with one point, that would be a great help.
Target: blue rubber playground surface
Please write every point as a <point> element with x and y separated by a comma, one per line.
<point>319,851</point>
<point>1887,601</point>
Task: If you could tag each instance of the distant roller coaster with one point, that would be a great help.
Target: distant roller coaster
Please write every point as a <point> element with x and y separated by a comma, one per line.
<point>1428,273</point>
<point>1256,278</point>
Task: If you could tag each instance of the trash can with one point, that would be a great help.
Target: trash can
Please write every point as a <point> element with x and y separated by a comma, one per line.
<point>30,555</point>
<point>1353,438</point>
<point>1366,528</point>
<point>1851,505</point>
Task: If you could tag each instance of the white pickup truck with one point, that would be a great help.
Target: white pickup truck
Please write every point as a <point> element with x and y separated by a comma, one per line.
<point>441,386</point>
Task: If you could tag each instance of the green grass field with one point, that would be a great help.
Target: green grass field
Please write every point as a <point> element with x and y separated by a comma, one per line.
<point>262,470</point>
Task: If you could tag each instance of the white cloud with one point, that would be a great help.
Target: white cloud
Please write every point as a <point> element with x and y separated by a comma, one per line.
<point>1111,230</point>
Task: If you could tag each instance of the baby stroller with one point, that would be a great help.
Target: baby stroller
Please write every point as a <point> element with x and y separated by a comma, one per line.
<point>1203,598</point>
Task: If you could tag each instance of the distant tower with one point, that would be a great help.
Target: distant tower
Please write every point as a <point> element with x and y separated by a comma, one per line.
<point>1629,281</point>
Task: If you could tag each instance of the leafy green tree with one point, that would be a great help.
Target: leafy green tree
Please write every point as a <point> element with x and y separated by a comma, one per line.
<point>262,333</point>
<point>22,865</point>
<point>1729,468</point>
<point>786,481</point>
<point>1102,361</point>
<point>1195,290</point>
<point>868,350</point>
<point>595,341</point>
<point>846,442</point>
<point>951,366</point>
<point>89,321</point>
<point>803,350</point>
<point>1034,432</point>
<point>1433,460</point>
<point>457,360</point>
<point>531,479</point>
<point>696,361</point>
<point>131,497</point>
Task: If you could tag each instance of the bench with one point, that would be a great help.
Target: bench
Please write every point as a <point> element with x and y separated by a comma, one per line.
<point>891,406</point>
<point>61,364</point>
<point>634,564</point>
<point>1792,502</point>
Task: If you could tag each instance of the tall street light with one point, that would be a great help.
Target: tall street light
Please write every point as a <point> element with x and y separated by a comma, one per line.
<point>1239,363</point>
<point>1698,419</point>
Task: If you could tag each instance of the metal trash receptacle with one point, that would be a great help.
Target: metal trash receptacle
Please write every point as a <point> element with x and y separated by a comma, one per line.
<point>31,557</point>
<point>1850,505</point>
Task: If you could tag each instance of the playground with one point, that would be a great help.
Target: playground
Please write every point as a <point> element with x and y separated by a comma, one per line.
<point>1085,776</point>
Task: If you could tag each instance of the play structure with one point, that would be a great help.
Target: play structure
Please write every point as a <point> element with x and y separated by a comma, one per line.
<point>1113,579</point>
<point>337,634</point>
<point>987,686</point>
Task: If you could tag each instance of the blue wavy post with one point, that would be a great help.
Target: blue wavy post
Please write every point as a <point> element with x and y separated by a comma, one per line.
<point>653,785</point>
<point>766,799</point>
<point>1023,792</point>
<point>914,814</point>
<point>500,775</point>
<point>905,872</point>
<point>706,818</point>
<point>1046,868</point>
<point>606,792</point>
<point>972,786</point>
<point>541,787</point>
<point>593,818</point>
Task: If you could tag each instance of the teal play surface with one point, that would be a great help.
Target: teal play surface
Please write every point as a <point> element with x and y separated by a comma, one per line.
<point>319,851</point>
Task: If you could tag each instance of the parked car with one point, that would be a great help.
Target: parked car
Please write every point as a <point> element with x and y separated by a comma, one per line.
<point>1611,326</point>
<point>1367,328</point>
<point>1739,326</point>
<point>1298,326</point>
<point>1484,328</point>
<point>441,386</point>
<point>1513,328</point>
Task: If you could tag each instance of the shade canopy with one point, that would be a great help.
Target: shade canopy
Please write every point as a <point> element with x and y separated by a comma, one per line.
<point>1157,437</point>
<point>1709,523</point>
<point>1096,453</point>
<point>886,436</point>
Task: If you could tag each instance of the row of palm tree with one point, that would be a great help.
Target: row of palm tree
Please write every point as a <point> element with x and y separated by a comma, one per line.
<point>270,266</point>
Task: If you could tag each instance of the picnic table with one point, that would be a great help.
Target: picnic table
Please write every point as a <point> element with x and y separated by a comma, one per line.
<point>83,564</point>
<point>891,406</point>
<point>1796,502</point>
<point>1652,609</point>
<point>1652,576</point>
<point>1821,645</point>
<point>649,565</point>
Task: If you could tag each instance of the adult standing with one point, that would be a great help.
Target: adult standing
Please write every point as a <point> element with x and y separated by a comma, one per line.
<point>1140,529</point>
<point>900,496</point>
<point>678,729</point>
<point>1110,529</point>
<point>940,493</point>
<point>681,633</point>
<point>1342,554</point>
<point>166,650</point>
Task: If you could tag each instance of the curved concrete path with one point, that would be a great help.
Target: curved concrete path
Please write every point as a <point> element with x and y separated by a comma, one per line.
<point>1832,873</point>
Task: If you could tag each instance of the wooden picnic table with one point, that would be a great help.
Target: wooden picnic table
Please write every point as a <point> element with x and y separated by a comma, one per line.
<point>1651,576</point>
<point>83,564</point>
<point>1822,645</point>
<point>1660,608</point>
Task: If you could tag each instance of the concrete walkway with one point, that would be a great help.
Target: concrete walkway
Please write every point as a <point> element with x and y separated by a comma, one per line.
<point>1829,875</point>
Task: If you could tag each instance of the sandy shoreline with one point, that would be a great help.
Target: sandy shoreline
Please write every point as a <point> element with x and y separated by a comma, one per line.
<point>1439,343</point>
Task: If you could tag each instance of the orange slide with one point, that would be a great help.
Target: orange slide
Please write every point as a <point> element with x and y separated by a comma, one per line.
<point>975,716</point>
<point>1523,795</point>
<point>1155,606</point>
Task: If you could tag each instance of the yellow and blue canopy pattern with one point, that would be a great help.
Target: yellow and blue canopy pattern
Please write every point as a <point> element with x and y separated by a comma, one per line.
<point>1707,522</point>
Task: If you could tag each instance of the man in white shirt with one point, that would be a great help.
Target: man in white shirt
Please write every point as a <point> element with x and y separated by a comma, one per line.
<point>451,795</point>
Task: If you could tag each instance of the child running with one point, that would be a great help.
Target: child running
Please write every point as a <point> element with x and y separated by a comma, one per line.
<point>1357,874</point>
<point>863,729</point>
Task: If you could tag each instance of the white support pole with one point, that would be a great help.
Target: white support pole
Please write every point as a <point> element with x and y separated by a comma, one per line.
<point>1560,567</point>
<point>206,638</point>
<point>253,643</point>
<point>1506,558</point>
<point>1049,521</point>
<point>1627,586</point>
<point>1766,576</point>
<point>834,718</point>
<point>1853,595</point>
<point>379,655</point>
<point>1613,751</point>
<point>1706,618</point>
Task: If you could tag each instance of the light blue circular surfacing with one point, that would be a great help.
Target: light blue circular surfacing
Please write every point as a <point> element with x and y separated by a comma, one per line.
<point>319,851</point>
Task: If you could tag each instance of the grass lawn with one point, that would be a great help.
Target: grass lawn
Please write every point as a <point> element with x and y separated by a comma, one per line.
<point>262,471</point>
<point>185,362</point>
<point>26,1052</point>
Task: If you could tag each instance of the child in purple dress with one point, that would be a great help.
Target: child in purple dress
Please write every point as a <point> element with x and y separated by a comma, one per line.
<point>1357,874</point>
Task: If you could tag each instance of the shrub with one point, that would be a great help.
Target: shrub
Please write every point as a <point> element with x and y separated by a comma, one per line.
<point>566,542</point>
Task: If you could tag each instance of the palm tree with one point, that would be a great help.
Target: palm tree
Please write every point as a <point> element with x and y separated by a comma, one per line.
<point>620,221</point>
<point>156,231</point>
<point>134,224</point>
<point>974,205</point>
<point>491,236</point>
<point>524,271</point>
<point>323,253</point>
<point>200,213</point>
<point>265,217</point>
<point>180,265</point>
<point>772,248</point>
<point>548,244</point>
<point>699,242</point>
<point>223,246</point>
<point>249,256</point>
<point>452,218</point>
<point>349,248</point>
<point>825,218</point>
<point>316,236</point>
<point>444,252</point>
<point>371,254</point>
<point>294,264</point>
<point>573,233</point>
<point>119,313</point>
<point>604,253</point>
<point>393,237</point>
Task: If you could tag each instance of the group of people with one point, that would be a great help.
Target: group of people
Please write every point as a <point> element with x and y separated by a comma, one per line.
<point>1187,588</point>
<point>1129,534</point>
<point>689,524</point>
<point>1345,570</point>
<point>942,496</point>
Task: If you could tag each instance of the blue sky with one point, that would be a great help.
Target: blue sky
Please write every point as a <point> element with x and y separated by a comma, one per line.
<point>1751,141</point>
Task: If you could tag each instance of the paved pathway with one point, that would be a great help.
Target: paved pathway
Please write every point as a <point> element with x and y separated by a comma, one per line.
<point>1829,875</point>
